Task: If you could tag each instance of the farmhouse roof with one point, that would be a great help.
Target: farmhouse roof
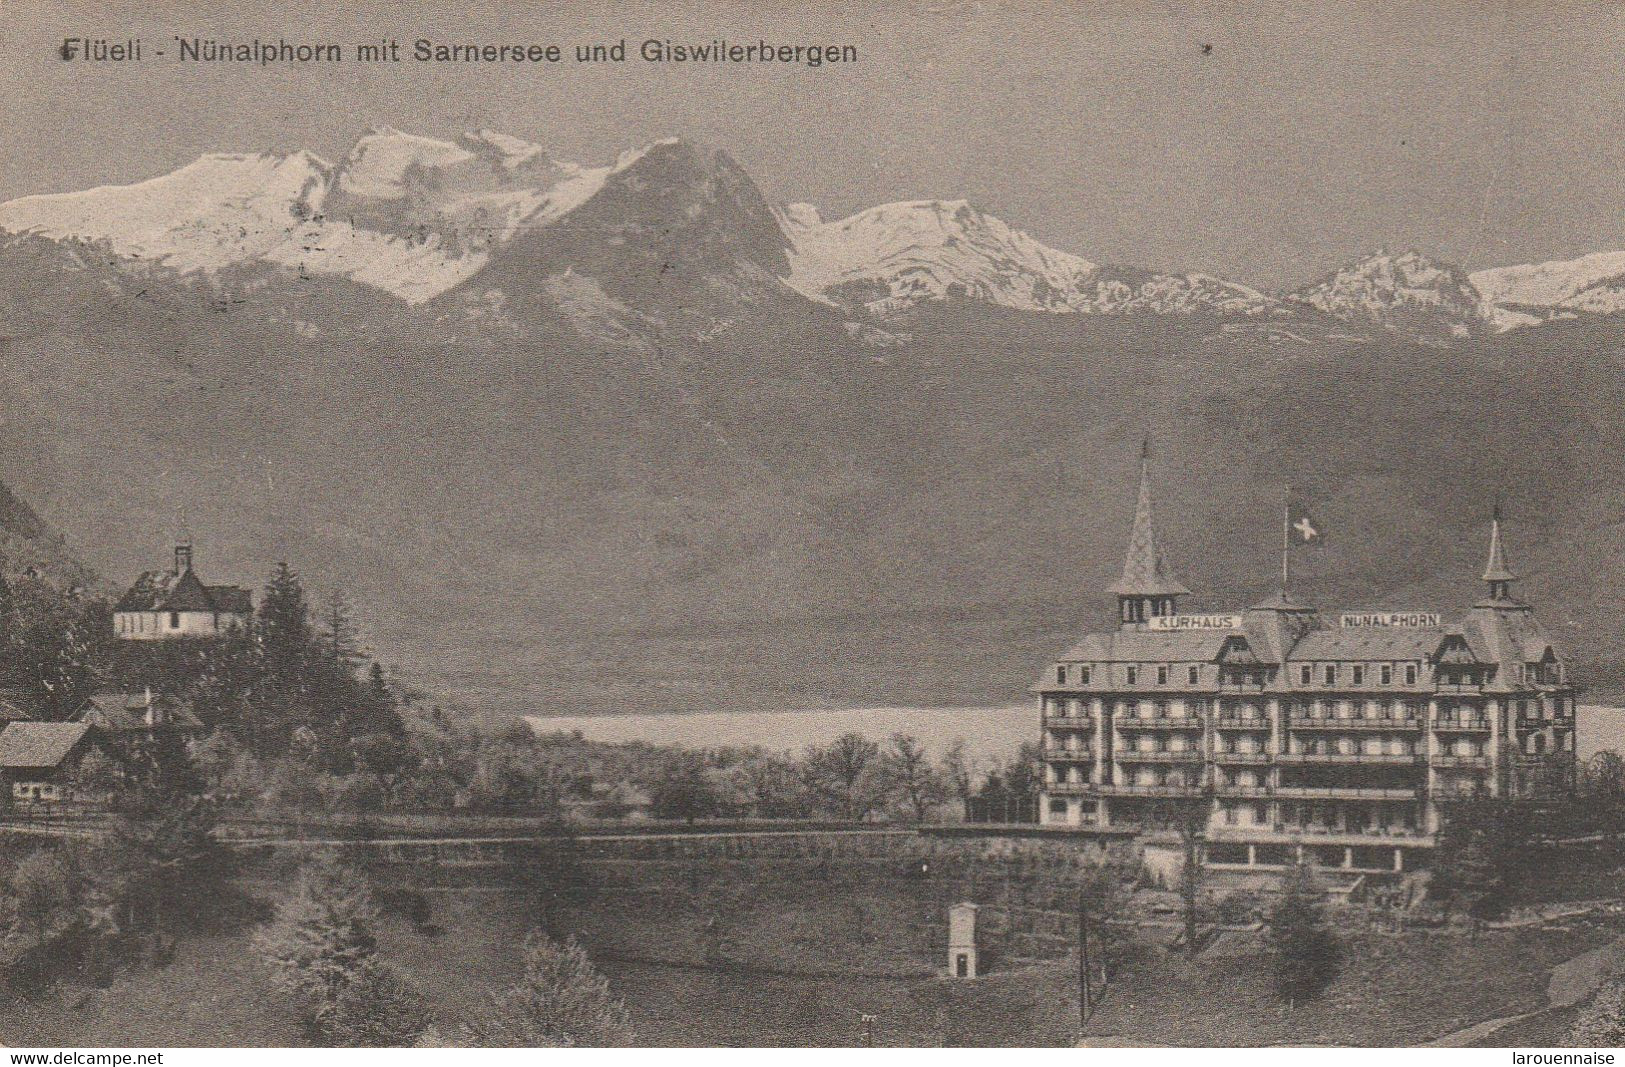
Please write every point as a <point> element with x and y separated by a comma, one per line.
<point>39,744</point>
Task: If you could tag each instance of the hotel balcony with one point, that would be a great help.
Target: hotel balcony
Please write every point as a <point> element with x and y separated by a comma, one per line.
<point>1353,758</point>
<point>1243,790</point>
<point>1056,752</point>
<point>1241,757</point>
<point>1071,789</point>
<point>1462,726</point>
<point>1301,792</point>
<point>1455,792</point>
<point>1300,722</point>
<point>1132,755</point>
<point>1167,722</point>
<point>1470,762</point>
<point>1055,718</point>
<point>1161,790</point>
<point>1231,722</point>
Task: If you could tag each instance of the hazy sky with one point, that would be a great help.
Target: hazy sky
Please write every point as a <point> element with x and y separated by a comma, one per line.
<point>1308,135</point>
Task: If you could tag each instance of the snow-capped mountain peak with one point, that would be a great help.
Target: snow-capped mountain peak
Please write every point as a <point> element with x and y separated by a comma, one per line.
<point>899,254</point>
<point>1534,292</point>
<point>1406,291</point>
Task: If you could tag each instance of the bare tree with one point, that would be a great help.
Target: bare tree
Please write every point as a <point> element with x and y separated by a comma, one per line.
<point>910,777</point>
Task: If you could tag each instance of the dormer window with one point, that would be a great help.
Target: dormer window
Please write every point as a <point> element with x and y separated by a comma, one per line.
<point>1359,675</point>
<point>174,620</point>
<point>1305,675</point>
<point>1331,674</point>
<point>1385,674</point>
<point>1083,675</point>
<point>1162,675</point>
<point>1410,674</point>
<point>1195,676</point>
<point>1134,676</point>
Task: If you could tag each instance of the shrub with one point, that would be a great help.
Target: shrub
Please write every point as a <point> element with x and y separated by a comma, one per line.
<point>560,1001</point>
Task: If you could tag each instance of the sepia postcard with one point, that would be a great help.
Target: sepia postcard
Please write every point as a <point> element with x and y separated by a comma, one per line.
<point>881,524</point>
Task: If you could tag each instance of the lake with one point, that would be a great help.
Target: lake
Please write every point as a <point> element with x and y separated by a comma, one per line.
<point>990,734</point>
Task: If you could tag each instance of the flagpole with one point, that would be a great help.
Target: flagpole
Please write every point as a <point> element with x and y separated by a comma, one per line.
<point>1286,540</point>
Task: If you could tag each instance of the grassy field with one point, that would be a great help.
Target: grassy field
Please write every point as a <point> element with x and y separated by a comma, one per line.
<point>787,952</point>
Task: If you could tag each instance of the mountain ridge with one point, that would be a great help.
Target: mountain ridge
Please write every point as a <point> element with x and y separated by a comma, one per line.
<point>421,217</point>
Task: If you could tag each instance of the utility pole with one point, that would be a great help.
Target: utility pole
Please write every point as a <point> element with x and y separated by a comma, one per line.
<point>1084,991</point>
<point>868,1031</point>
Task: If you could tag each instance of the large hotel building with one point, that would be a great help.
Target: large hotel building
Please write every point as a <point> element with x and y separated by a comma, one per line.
<point>1338,740</point>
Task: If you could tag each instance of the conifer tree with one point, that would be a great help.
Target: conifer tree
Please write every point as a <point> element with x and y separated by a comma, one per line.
<point>1305,952</point>
<point>560,1001</point>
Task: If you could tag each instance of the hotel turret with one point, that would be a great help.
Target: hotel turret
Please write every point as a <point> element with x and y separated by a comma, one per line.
<point>1288,735</point>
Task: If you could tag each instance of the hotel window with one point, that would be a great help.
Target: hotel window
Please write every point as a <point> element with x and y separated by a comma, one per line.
<point>1134,676</point>
<point>1386,674</point>
<point>1162,675</point>
<point>1305,675</point>
<point>1359,675</point>
<point>1083,675</point>
<point>1410,674</point>
<point>1194,676</point>
<point>1060,676</point>
<point>1331,674</point>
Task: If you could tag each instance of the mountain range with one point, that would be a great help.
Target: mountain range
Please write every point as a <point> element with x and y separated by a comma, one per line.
<point>631,436</point>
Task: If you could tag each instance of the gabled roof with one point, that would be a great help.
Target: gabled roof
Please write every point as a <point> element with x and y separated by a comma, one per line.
<point>39,744</point>
<point>1145,572</point>
<point>168,591</point>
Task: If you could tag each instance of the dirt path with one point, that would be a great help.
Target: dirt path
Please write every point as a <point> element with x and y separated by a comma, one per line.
<point>1570,983</point>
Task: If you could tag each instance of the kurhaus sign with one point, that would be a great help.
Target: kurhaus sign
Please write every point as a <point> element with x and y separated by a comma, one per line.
<point>1194,622</point>
<point>1416,619</point>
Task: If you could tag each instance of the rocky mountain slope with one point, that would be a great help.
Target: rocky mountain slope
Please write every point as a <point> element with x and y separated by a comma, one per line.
<point>632,437</point>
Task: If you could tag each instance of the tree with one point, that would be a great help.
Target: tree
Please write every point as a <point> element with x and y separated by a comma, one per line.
<point>166,858</point>
<point>842,775</point>
<point>1601,1023</point>
<point>1605,775</point>
<point>767,784</point>
<point>1188,818</point>
<point>1304,950</point>
<point>907,772</point>
<point>561,1000</point>
<point>1480,843</point>
<point>956,771</point>
<point>683,790</point>
<point>320,937</point>
<point>374,1009</point>
<point>285,634</point>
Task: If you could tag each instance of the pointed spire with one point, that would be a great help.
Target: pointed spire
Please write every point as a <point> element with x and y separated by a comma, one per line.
<point>1145,572</point>
<point>1496,569</point>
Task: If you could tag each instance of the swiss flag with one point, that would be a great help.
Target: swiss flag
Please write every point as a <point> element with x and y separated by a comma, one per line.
<point>1302,527</point>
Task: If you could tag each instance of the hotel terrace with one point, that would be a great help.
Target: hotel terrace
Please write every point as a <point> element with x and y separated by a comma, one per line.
<point>1287,736</point>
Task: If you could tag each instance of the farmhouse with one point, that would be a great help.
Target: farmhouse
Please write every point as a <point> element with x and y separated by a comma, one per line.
<point>38,759</point>
<point>138,716</point>
<point>175,604</point>
<point>1287,736</point>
